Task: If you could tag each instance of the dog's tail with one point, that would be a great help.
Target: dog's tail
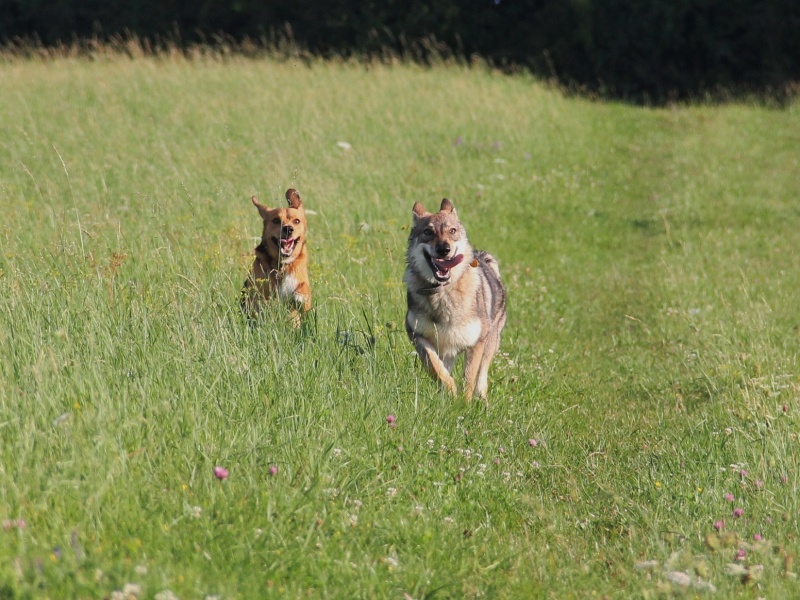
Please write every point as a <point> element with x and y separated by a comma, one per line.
<point>488,261</point>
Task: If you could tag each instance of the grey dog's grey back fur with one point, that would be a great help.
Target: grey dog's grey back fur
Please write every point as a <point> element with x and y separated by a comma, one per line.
<point>492,294</point>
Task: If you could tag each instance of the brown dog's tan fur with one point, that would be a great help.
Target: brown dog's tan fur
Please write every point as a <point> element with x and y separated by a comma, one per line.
<point>280,267</point>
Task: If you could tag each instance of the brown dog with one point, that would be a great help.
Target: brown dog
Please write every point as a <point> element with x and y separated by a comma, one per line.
<point>280,267</point>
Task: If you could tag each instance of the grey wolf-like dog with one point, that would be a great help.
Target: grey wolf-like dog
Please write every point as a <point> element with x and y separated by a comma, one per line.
<point>456,301</point>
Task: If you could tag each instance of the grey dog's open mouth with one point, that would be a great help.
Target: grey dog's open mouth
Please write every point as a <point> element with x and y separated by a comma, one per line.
<point>286,245</point>
<point>440,267</point>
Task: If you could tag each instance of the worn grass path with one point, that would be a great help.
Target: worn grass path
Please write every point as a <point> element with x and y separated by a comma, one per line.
<point>649,366</point>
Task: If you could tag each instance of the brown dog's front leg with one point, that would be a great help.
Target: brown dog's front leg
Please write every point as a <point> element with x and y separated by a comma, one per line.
<point>434,365</point>
<point>302,296</point>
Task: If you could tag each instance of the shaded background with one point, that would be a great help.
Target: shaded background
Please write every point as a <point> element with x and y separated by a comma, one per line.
<point>651,50</point>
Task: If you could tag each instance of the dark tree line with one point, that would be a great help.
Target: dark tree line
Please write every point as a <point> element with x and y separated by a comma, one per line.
<point>635,49</point>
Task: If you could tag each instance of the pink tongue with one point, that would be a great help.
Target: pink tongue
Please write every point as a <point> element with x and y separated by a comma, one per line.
<point>287,244</point>
<point>449,263</point>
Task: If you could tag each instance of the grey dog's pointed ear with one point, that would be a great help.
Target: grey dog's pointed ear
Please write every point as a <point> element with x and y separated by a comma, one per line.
<point>262,210</point>
<point>418,211</point>
<point>293,198</point>
<point>447,206</point>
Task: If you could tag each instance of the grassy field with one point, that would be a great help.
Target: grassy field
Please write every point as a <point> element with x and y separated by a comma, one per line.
<point>641,433</point>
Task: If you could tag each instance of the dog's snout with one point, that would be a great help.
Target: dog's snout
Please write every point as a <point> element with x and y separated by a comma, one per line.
<point>443,249</point>
<point>287,231</point>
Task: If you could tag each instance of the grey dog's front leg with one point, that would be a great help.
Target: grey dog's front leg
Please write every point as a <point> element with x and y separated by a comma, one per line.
<point>430,358</point>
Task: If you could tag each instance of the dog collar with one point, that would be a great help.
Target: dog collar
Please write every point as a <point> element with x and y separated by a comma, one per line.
<point>428,291</point>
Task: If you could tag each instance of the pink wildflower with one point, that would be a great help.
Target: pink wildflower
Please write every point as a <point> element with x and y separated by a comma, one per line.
<point>273,470</point>
<point>532,443</point>
<point>759,483</point>
<point>220,472</point>
<point>729,497</point>
<point>719,525</point>
<point>757,537</point>
<point>390,419</point>
<point>740,555</point>
<point>737,512</point>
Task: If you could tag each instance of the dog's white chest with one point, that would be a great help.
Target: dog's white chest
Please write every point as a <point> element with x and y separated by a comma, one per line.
<point>286,287</point>
<point>448,338</point>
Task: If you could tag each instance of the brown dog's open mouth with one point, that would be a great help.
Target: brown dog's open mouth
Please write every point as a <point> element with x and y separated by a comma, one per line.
<point>440,267</point>
<point>286,245</point>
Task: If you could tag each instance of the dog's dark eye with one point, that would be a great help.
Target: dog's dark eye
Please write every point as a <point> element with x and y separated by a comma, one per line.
<point>297,221</point>
<point>452,231</point>
<point>428,231</point>
<point>276,220</point>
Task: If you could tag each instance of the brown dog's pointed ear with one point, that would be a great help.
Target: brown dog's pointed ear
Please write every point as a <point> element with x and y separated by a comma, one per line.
<point>293,198</point>
<point>447,206</point>
<point>418,211</point>
<point>262,210</point>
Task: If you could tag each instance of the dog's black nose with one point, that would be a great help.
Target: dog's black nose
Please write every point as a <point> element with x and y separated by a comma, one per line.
<point>443,249</point>
<point>286,231</point>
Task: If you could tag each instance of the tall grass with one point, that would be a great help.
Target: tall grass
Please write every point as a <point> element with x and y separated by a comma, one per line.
<point>648,368</point>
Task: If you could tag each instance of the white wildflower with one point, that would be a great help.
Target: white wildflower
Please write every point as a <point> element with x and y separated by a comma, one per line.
<point>678,578</point>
